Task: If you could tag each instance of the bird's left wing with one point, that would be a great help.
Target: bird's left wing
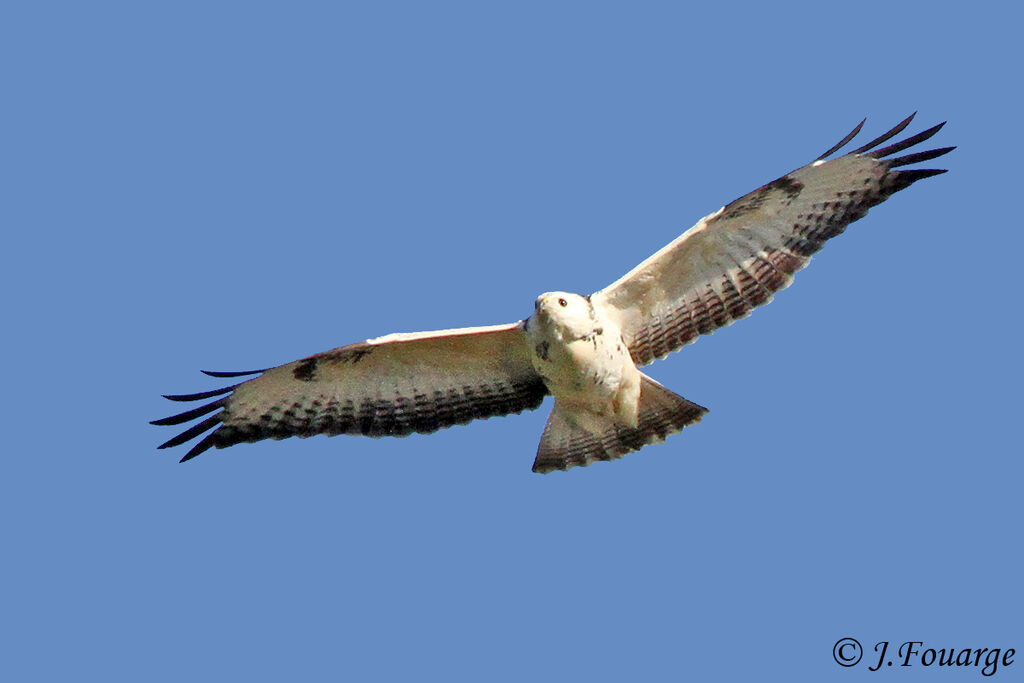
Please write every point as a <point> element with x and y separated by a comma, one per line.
<point>389,386</point>
<point>719,270</point>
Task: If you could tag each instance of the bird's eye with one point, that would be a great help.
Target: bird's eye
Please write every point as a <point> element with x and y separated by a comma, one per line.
<point>563,303</point>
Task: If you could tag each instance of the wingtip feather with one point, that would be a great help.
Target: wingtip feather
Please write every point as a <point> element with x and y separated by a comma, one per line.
<point>243,373</point>
<point>189,414</point>
<point>894,131</point>
<point>201,395</point>
<point>909,142</point>
<point>199,448</point>
<point>919,156</point>
<point>849,136</point>
<point>191,433</point>
<point>899,180</point>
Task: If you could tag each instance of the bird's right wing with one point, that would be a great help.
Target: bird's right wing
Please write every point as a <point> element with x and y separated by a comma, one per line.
<point>389,386</point>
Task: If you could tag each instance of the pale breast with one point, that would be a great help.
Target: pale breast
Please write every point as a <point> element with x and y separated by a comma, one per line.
<point>589,371</point>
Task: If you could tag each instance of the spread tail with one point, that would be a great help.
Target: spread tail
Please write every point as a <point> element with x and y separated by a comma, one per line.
<point>662,412</point>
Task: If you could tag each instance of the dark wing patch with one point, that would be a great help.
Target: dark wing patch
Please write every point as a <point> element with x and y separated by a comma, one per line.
<point>305,371</point>
<point>387,387</point>
<point>738,258</point>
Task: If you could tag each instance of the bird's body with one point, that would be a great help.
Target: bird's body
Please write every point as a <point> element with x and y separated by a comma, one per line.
<point>604,406</point>
<point>583,350</point>
<point>583,361</point>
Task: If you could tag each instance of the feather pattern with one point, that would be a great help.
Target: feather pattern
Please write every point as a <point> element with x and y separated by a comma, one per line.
<point>391,386</point>
<point>737,258</point>
<point>662,413</point>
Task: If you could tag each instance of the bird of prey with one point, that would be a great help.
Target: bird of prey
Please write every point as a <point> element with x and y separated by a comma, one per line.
<point>583,350</point>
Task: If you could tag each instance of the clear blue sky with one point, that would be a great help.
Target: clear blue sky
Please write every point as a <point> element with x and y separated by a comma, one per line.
<point>230,186</point>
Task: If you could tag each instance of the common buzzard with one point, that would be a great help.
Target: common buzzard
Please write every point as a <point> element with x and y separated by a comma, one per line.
<point>583,350</point>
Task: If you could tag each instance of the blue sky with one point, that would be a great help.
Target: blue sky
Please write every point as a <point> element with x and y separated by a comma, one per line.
<point>230,186</point>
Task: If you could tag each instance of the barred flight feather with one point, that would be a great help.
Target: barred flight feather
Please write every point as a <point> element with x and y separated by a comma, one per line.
<point>737,258</point>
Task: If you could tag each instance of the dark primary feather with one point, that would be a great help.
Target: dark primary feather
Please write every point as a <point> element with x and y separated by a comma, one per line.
<point>896,130</point>
<point>191,433</point>
<point>200,396</point>
<point>849,136</point>
<point>190,414</point>
<point>242,373</point>
<point>202,446</point>
<point>909,142</point>
<point>919,156</point>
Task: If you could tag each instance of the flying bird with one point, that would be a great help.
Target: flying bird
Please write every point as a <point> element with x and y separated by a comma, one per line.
<point>583,350</point>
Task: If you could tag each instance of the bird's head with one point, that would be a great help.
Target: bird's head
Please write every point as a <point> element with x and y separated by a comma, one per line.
<point>570,315</point>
